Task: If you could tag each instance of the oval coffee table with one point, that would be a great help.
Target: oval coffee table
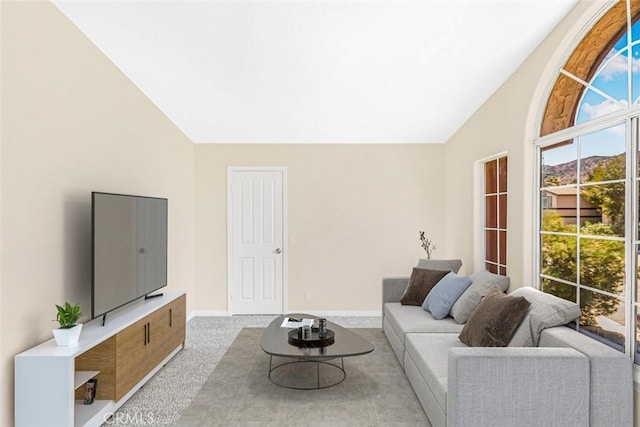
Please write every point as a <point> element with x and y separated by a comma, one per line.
<point>275,342</point>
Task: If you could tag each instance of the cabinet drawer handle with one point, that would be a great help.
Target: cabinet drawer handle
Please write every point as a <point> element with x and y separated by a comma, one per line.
<point>170,317</point>
<point>145,334</point>
<point>149,332</point>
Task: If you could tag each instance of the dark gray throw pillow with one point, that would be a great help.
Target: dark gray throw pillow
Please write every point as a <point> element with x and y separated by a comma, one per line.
<point>421,282</point>
<point>494,321</point>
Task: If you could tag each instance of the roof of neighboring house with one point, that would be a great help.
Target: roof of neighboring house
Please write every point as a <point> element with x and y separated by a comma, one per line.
<point>562,191</point>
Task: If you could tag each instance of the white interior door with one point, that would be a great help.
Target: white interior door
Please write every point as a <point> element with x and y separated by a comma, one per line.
<point>257,235</point>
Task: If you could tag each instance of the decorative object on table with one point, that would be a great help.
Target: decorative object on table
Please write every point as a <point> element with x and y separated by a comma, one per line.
<point>306,332</point>
<point>322,327</point>
<point>69,332</point>
<point>313,341</point>
<point>427,245</point>
<point>296,322</point>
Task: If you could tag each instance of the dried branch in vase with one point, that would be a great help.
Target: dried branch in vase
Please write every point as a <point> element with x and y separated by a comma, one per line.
<point>427,245</point>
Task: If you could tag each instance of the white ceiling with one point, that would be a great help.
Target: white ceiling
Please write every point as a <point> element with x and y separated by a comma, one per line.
<point>317,71</point>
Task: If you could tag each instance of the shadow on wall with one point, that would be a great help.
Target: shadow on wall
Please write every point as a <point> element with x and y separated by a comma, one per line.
<point>77,252</point>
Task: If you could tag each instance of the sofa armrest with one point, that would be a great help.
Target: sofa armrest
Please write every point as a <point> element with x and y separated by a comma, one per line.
<point>524,386</point>
<point>611,375</point>
<point>392,290</point>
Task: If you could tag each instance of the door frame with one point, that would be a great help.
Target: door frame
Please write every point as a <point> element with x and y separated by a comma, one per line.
<point>285,231</point>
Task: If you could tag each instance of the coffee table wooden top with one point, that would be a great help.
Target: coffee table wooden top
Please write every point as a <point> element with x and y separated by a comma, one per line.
<point>347,343</point>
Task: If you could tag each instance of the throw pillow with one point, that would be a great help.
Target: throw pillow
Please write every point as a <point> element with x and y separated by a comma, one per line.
<point>440,264</point>
<point>495,320</point>
<point>546,311</point>
<point>420,283</point>
<point>444,294</point>
<point>483,282</point>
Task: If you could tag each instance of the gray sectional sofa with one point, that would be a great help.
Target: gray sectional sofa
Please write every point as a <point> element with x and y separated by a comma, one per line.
<point>568,379</point>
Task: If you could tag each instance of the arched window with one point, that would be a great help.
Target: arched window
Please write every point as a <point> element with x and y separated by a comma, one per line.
<point>589,179</point>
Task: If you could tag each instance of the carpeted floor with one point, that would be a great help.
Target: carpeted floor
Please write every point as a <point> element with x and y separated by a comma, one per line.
<point>167,395</point>
<point>238,392</point>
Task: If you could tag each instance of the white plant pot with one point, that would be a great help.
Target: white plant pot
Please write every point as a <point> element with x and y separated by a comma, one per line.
<point>67,337</point>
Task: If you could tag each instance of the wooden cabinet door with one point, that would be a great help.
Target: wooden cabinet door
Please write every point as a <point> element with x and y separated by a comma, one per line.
<point>159,330</point>
<point>178,322</point>
<point>168,328</point>
<point>143,345</point>
<point>132,358</point>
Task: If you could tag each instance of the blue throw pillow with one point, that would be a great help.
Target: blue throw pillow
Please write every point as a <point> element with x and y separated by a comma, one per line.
<point>444,294</point>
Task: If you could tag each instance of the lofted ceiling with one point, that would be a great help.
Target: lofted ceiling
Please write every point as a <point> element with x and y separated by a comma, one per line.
<point>317,71</point>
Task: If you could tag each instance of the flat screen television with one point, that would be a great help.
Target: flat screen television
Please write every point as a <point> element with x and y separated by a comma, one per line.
<point>129,249</point>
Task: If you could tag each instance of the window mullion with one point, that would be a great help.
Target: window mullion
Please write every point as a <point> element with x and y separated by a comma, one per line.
<point>631,233</point>
<point>629,56</point>
<point>578,217</point>
<point>587,85</point>
<point>537,220</point>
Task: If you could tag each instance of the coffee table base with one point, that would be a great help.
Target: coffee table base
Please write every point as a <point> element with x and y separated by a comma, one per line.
<point>342,375</point>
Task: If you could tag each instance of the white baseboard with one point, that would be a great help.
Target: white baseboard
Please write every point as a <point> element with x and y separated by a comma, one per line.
<point>319,313</point>
<point>340,313</point>
<point>207,313</point>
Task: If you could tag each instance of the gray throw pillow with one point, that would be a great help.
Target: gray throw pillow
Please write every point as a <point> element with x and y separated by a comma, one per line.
<point>483,282</point>
<point>494,321</point>
<point>444,294</point>
<point>546,311</point>
<point>440,264</point>
<point>420,283</point>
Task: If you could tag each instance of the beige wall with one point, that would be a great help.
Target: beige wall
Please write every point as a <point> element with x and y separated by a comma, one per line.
<point>354,212</point>
<point>72,123</point>
<point>503,124</point>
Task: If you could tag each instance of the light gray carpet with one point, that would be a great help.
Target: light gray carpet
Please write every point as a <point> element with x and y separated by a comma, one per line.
<point>238,392</point>
<point>165,397</point>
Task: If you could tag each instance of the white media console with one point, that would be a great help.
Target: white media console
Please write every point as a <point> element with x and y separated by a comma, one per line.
<point>136,341</point>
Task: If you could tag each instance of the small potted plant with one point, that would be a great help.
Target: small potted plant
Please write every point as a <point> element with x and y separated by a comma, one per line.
<point>69,332</point>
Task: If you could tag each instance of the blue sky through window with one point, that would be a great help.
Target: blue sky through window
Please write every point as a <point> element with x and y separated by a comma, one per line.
<point>611,78</point>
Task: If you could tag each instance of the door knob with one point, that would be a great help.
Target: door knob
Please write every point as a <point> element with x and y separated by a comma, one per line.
<point>278,250</point>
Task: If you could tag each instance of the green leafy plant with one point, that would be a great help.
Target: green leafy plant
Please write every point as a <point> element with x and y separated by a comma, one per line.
<point>68,315</point>
<point>601,265</point>
<point>427,245</point>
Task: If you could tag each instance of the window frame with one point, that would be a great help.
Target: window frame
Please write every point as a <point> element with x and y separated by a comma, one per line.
<point>630,117</point>
<point>501,263</point>
<point>479,209</point>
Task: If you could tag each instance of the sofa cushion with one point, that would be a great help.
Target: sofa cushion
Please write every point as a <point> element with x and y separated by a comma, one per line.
<point>444,294</point>
<point>404,319</point>
<point>421,282</point>
<point>430,354</point>
<point>546,311</point>
<point>483,282</point>
<point>495,320</point>
<point>440,264</point>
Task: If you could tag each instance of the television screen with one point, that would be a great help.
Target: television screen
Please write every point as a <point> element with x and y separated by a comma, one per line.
<point>129,242</point>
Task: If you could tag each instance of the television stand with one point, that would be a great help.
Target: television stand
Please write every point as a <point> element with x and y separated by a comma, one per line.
<point>146,297</point>
<point>139,339</point>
